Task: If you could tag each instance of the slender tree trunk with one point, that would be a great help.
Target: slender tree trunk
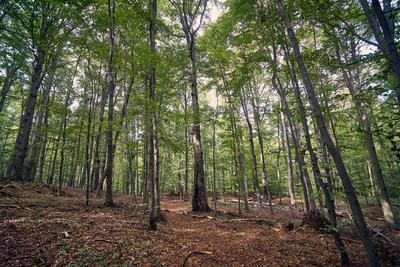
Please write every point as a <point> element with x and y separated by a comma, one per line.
<point>254,170</point>
<point>42,156</point>
<point>278,165</point>
<point>132,175</point>
<point>214,144</point>
<point>8,81</point>
<point>370,145</point>
<point>257,120</point>
<point>86,167</point>
<point>299,154</point>
<point>50,178</point>
<point>145,180</point>
<point>372,184</point>
<point>186,148</point>
<point>358,217</point>
<point>97,160</point>
<point>64,130</point>
<point>289,163</point>
<point>242,168</point>
<point>75,158</point>
<point>329,202</point>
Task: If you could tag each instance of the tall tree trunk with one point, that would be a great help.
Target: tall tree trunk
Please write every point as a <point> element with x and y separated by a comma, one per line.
<point>111,89</point>
<point>329,202</point>
<point>358,217</point>
<point>75,158</point>
<point>155,213</point>
<point>15,168</point>
<point>50,177</point>
<point>97,160</point>
<point>30,164</point>
<point>86,165</point>
<point>257,121</point>
<point>214,169</point>
<point>145,179</point>
<point>289,163</point>
<point>64,130</point>
<point>42,156</point>
<point>369,143</point>
<point>299,154</point>
<point>199,200</point>
<point>186,147</point>
<point>254,170</point>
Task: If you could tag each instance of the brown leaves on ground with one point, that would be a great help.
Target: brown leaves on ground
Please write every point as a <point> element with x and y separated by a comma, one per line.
<point>42,229</point>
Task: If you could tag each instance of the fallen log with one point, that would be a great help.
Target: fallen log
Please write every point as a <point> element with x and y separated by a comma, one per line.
<point>263,221</point>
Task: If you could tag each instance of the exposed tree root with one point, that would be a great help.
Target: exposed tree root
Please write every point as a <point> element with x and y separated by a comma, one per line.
<point>195,253</point>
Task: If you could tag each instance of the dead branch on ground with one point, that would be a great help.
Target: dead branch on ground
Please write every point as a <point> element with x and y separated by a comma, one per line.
<point>195,253</point>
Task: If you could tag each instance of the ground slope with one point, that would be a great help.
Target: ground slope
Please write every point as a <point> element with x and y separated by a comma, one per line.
<point>39,228</point>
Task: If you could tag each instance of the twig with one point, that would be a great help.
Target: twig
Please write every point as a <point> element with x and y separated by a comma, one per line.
<point>10,206</point>
<point>195,253</point>
<point>378,232</point>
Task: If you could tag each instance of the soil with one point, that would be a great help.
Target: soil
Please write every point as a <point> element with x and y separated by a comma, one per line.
<point>39,228</point>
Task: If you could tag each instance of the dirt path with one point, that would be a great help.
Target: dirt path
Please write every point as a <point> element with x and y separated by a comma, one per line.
<point>46,230</point>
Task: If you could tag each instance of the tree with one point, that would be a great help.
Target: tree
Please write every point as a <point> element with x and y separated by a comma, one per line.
<point>111,89</point>
<point>191,16</point>
<point>155,214</point>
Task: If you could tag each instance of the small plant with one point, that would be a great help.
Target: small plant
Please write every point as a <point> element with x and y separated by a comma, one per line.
<point>84,257</point>
<point>64,249</point>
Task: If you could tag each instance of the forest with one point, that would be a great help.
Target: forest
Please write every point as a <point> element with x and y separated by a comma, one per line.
<point>199,133</point>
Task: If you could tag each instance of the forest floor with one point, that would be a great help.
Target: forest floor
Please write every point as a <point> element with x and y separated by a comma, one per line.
<point>39,228</point>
